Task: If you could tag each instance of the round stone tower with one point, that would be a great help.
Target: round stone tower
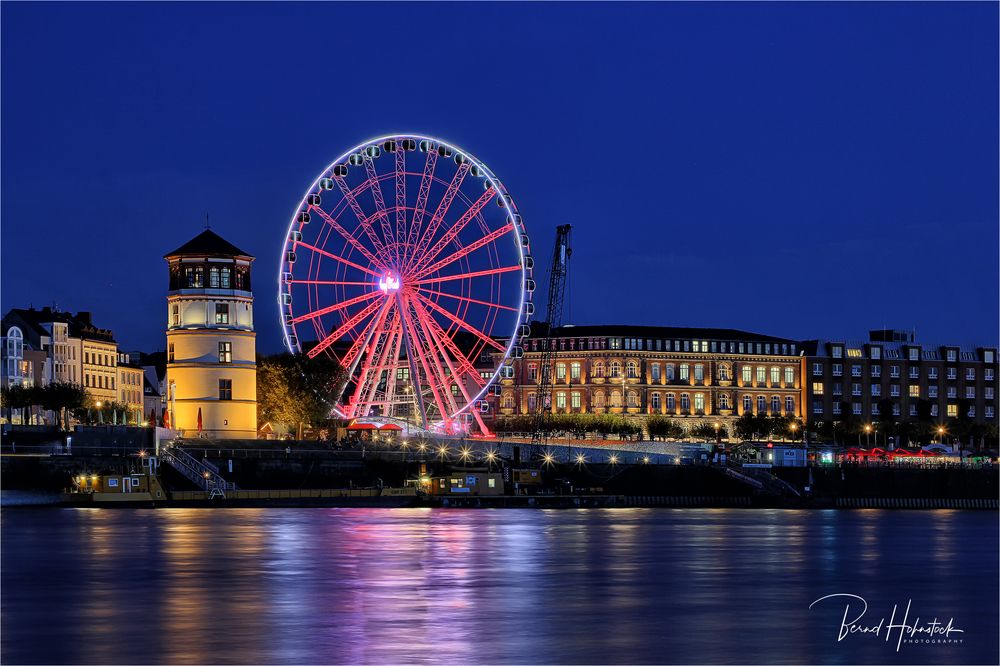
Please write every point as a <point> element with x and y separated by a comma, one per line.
<point>211,347</point>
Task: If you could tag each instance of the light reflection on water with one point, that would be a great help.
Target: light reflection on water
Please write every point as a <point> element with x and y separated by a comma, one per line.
<point>421,585</point>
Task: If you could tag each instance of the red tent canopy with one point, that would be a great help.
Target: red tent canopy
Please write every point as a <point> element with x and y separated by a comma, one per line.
<point>900,452</point>
<point>390,427</point>
<point>362,426</point>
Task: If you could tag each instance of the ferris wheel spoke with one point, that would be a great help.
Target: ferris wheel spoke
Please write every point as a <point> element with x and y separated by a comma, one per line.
<point>455,229</point>
<point>350,359</point>
<point>344,328</point>
<point>339,283</point>
<point>438,217</point>
<point>359,213</point>
<point>465,365</point>
<point>331,255</point>
<point>418,212</point>
<point>336,307</point>
<point>466,276</point>
<point>388,236</point>
<point>468,249</point>
<point>400,200</point>
<point>462,324</point>
<point>348,236</point>
<point>466,299</point>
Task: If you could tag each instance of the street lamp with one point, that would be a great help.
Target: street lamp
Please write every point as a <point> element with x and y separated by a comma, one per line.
<point>793,427</point>
<point>940,432</point>
<point>868,432</point>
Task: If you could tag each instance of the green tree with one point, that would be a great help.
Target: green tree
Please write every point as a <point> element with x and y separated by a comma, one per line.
<point>294,391</point>
<point>661,427</point>
<point>62,397</point>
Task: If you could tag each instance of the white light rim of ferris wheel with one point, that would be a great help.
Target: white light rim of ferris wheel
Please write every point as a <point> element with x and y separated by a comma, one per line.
<point>495,183</point>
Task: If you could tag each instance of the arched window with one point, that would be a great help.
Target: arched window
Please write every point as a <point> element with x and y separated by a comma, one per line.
<point>670,372</point>
<point>615,368</point>
<point>599,399</point>
<point>633,369</point>
<point>723,401</point>
<point>775,404</point>
<point>790,404</point>
<point>671,403</point>
<point>699,402</point>
<point>616,399</point>
<point>508,401</point>
<point>761,404</point>
<point>746,373</point>
<point>748,404</point>
<point>633,399</point>
<point>532,403</point>
<point>685,401</point>
<point>724,372</point>
<point>598,369</point>
<point>654,401</point>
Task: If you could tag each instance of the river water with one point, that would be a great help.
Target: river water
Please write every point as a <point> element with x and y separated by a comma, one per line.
<point>499,586</point>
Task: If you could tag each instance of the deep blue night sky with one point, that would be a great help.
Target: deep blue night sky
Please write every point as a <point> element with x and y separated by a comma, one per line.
<point>805,170</point>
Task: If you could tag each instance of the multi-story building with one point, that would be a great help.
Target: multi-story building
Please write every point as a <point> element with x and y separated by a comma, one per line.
<point>130,388</point>
<point>25,361</point>
<point>99,356</point>
<point>892,377</point>
<point>689,373</point>
<point>211,349</point>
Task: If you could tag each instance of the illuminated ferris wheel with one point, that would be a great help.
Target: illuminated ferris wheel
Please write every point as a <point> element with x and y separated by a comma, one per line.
<point>408,262</point>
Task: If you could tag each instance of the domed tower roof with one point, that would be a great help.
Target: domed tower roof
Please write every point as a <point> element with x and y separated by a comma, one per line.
<point>208,243</point>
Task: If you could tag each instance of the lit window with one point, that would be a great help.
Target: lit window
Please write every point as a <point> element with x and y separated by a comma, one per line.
<point>222,313</point>
<point>723,401</point>
<point>402,373</point>
<point>561,400</point>
<point>699,402</point>
<point>761,376</point>
<point>685,372</point>
<point>224,278</point>
<point>575,400</point>
<point>533,371</point>
<point>724,373</point>
<point>213,277</point>
<point>170,353</point>
<point>854,353</point>
<point>574,370</point>
<point>789,376</point>
<point>775,376</point>
<point>561,371</point>
<point>914,391</point>
<point>633,370</point>
<point>225,352</point>
<point>616,369</point>
<point>747,374</point>
<point>817,388</point>
<point>175,315</point>
<point>633,399</point>
<point>952,410</point>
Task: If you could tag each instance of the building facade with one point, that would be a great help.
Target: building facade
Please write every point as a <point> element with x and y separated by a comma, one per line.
<point>211,350</point>
<point>892,377</point>
<point>130,389</point>
<point>688,373</point>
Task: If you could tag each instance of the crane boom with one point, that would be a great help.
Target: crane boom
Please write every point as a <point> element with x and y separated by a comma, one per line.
<point>558,274</point>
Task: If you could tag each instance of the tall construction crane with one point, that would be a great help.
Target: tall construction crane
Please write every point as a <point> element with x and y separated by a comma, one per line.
<point>558,272</point>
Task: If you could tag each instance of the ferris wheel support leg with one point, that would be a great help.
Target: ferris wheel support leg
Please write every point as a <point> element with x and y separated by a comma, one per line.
<point>353,402</point>
<point>412,361</point>
<point>435,337</point>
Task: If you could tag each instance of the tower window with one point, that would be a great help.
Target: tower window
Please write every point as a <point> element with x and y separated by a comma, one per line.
<point>225,389</point>
<point>225,352</point>
<point>224,278</point>
<point>194,277</point>
<point>213,277</point>
<point>176,315</point>
<point>170,353</point>
<point>222,313</point>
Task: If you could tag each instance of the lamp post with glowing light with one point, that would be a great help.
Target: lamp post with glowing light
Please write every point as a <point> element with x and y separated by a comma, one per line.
<point>793,427</point>
<point>868,433</point>
<point>940,432</point>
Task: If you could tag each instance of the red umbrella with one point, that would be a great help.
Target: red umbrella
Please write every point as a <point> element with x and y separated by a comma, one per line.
<point>166,418</point>
<point>199,419</point>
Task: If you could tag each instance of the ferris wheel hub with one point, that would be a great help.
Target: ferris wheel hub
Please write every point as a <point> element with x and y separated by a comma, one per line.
<point>390,282</point>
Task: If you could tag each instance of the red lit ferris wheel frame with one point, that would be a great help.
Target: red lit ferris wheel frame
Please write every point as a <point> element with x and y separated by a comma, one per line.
<point>408,262</point>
